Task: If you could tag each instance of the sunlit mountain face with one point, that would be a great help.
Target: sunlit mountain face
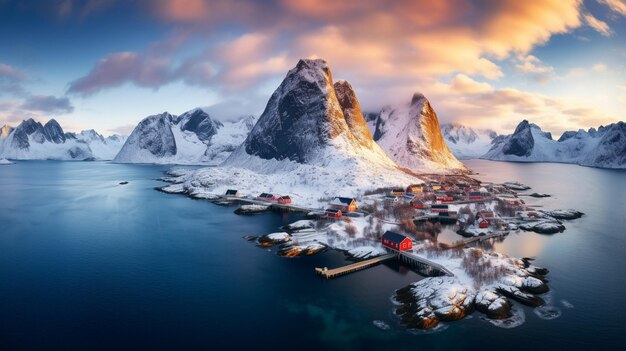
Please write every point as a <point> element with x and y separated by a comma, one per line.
<point>107,64</point>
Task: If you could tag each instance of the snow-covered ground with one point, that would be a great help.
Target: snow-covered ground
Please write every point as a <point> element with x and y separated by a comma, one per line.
<point>309,185</point>
<point>4,161</point>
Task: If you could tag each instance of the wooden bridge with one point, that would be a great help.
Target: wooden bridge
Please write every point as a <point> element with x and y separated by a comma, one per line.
<point>407,257</point>
<point>423,263</point>
<point>335,272</point>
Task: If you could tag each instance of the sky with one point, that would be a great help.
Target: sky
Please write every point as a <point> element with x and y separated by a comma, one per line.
<point>106,64</point>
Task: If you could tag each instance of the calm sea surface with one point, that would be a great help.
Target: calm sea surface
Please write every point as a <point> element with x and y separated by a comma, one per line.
<point>88,264</point>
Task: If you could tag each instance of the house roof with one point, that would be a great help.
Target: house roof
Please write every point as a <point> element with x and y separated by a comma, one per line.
<point>266,195</point>
<point>285,197</point>
<point>231,191</point>
<point>475,193</point>
<point>394,237</point>
<point>342,201</point>
<point>332,210</point>
<point>439,206</point>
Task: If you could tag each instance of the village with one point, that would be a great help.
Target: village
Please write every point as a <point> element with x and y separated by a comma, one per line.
<point>402,223</point>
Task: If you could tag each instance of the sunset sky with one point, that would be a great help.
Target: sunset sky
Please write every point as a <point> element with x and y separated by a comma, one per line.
<point>106,64</point>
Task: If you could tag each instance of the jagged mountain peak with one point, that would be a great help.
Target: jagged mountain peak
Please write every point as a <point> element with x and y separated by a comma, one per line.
<point>410,134</point>
<point>302,117</point>
<point>352,112</point>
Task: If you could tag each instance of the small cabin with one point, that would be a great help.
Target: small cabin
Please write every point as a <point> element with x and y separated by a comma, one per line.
<point>417,204</point>
<point>397,192</point>
<point>284,200</point>
<point>444,198</point>
<point>333,213</point>
<point>391,198</point>
<point>344,204</point>
<point>439,208</point>
<point>475,195</point>
<point>483,223</point>
<point>396,241</point>
<point>414,188</point>
<point>266,197</point>
<point>232,193</point>
<point>435,186</point>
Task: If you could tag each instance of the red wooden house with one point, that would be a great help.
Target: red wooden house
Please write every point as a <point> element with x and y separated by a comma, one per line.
<point>396,241</point>
<point>417,204</point>
<point>284,200</point>
<point>266,197</point>
<point>333,213</point>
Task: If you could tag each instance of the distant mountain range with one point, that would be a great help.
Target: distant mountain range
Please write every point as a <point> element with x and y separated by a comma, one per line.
<point>604,147</point>
<point>466,142</point>
<point>32,140</point>
<point>191,138</point>
<point>312,120</point>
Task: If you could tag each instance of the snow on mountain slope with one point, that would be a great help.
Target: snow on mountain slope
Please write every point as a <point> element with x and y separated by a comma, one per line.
<point>32,140</point>
<point>311,141</point>
<point>605,148</point>
<point>191,138</point>
<point>411,136</point>
<point>304,122</point>
<point>466,142</point>
<point>101,147</point>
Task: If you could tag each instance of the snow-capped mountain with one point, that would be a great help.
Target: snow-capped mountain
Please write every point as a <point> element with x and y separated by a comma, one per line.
<point>31,140</point>
<point>311,142</point>
<point>604,147</point>
<point>466,142</point>
<point>191,138</point>
<point>411,136</point>
<point>101,147</point>
<point>310,120</point>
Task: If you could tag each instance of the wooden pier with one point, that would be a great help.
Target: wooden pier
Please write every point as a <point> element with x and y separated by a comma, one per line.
<point>336,272</point>
<point>410,258</point>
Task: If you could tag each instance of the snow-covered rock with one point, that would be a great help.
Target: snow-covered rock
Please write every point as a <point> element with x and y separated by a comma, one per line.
<point>4,161</point>
<point>482,280</point>
<point>466,142</point>
<point>32,140</point>
<point>191,138</point>
<point>411,136</point>
<point>605,147</point>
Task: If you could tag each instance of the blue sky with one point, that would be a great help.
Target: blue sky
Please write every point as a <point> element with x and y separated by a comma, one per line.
<point>107,64</point>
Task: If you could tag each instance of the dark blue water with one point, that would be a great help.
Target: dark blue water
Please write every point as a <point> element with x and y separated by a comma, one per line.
<point>88,264</point>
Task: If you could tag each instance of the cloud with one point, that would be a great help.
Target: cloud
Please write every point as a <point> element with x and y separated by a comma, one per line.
<point>502,109</point>
<point>152,68</point>
<point>48,104</point>
<point>617,6</point>
<point>123,130</point>
<point>369,39</point>
<point>466,85</point>
<point>599,67</point>
<point>11,79</point>
<point>532,65</point>
<point>599,25</point>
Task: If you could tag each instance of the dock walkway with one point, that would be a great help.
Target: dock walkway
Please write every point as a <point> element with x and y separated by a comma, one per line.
<point>335,272</point>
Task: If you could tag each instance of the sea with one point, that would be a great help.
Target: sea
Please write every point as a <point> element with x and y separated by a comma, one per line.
<point>89,264</point>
